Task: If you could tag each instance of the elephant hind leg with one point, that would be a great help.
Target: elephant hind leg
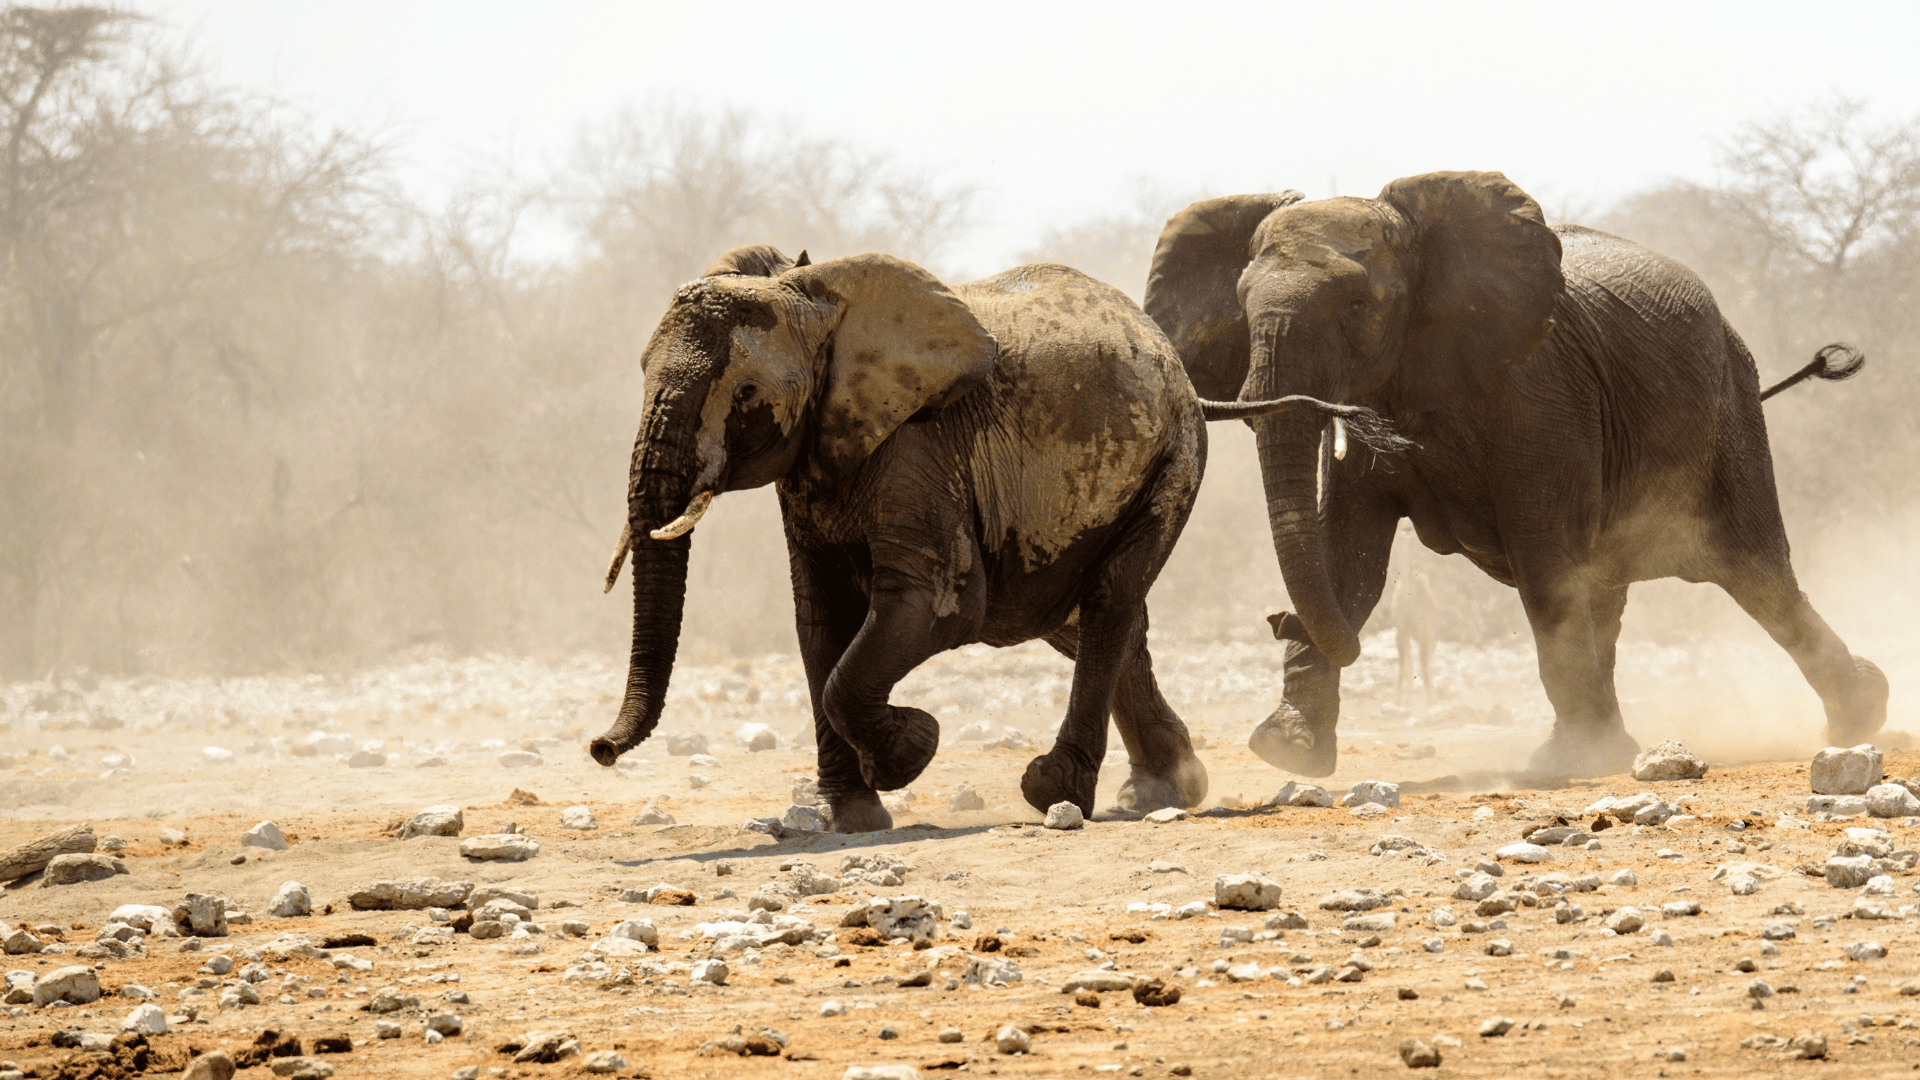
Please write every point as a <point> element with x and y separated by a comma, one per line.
<point>1851,687</point>
<point>1164,769</point>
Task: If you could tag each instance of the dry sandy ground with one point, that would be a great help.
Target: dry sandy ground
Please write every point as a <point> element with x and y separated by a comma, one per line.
<point>1583,1001</point>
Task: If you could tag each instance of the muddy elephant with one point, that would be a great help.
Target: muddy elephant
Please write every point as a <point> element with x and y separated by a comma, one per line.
<point>994,462</point>
<point>1583,418</point>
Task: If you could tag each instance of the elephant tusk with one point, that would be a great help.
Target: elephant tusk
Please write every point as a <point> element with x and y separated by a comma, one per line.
<point>684,524</point>
<point>1339,439</point>
<point>619,556</point>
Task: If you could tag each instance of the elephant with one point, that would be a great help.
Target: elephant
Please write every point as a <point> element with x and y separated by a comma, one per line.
<point>1582,418</point>
<point>996,462</point>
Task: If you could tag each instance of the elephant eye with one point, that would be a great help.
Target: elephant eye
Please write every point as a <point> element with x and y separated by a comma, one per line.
<point>746,392</point>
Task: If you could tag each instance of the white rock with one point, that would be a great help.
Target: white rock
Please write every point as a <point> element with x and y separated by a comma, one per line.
<point>521,759</point>
<point>366,759</point>
<point>1297,794</point>
<point>756,738</point>
<point>804,818</point>
<point>1844,772</point>
<point>20,984</point>
<point>1890,801</point>
<point>77,867</point>
<point>1476,886</point>
<point>912,918</point>
<point>265,835</point>
<point>1866,950</point>
<point>1849,871</point>
<point>1625,878</point>
<point>1373,791</point>
<point>651,815</point>
<point>712,972</point>
<point>604,1061</point>
<point>410,894</point>
<point>1166,816</point>
<point>1064,815</point>
<point>1837,805</point>
<point>75,985</point>
<point>217,755</point>
<point>442,820</point>
<point>502,847</point>
<point>578,817</point>
<point>1013,1040</point>
<point>965,800</point>
<point>1361,899</point>
<point>292,900</point>
<point>990,970</point>
<point>1742,884</point>
<point>880,1072</point>
<point>1668,760</point>
<point>202,916</point>
<point>147,1019</point>
<point>1246,892</point>
<point>1626,920</point>
<point>143,917</point>
<point>1378,922</point>
<point>1526,853</point>
<point>1099,980</point>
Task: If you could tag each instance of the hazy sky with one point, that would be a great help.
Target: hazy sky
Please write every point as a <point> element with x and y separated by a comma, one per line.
<point>1055,110</point>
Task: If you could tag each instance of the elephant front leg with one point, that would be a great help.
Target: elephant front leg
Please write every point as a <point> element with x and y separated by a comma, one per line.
<point>829,612</point>
<point>904,626</point>
<point>1300,736</point>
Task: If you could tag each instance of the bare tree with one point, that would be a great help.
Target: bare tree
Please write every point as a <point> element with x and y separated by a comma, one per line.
<point>659,189</point>
<point>1825,183</point>
<point>147,218</point>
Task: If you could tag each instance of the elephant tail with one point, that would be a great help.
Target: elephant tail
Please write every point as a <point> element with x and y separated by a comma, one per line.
<point>1371,429</point>
<point>1833,363</point>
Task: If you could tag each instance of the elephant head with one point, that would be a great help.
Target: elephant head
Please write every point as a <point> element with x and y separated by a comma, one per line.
<point>767,369</point>
<point>1412,301</point>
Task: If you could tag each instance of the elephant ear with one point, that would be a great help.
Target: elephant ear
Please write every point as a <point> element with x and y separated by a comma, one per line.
<point>901,342</point>
<point>1193,287</point>
<point>753,260</point>
<point>1488,272</point>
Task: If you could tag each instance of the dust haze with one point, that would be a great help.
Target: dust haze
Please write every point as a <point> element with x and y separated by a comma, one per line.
<point>264,416</point>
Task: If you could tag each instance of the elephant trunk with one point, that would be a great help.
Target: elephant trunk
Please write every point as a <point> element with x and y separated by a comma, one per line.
<point>1289,448</point>
<point>663,470</point>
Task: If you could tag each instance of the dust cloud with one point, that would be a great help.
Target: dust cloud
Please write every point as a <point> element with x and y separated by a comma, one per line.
<point>283,453</point>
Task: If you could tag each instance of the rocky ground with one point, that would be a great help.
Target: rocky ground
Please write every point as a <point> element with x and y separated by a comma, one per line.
<point>1713,926</point>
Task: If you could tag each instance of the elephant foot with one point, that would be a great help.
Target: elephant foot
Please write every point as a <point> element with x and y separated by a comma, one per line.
<point>1052,778</point>
<point>1292,741</point>
<point>1183,786</point>
<point>901,750</point>
<point>1855,718</point>
<point>1571,751</point>
<point>860,813</point>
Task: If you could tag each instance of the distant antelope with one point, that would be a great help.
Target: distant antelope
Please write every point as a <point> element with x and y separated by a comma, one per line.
<point>1416,618</point>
